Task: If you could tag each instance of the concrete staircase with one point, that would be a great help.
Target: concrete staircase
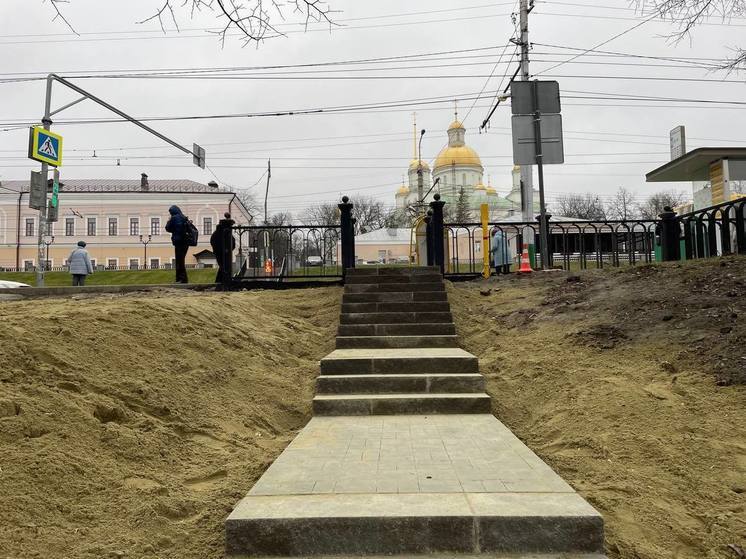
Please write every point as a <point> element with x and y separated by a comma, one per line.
<point>397,350</point>
<point>402,457</point>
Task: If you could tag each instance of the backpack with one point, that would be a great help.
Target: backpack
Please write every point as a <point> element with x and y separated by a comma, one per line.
<point>191,234</point>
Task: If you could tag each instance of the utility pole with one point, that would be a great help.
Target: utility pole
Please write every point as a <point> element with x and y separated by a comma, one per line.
<point>527,176</point>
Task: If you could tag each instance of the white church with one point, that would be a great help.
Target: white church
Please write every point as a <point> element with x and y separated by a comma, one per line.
<point>458,168</point>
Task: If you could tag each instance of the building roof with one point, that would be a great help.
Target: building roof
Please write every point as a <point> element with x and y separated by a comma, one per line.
<point>457,155</point>
<point>385,235</point>
<point>120,185</point>
<point>694,165</point>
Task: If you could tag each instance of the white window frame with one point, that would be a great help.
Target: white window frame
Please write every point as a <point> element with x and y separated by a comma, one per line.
<point>93,263</point>
<point>129,263</point>
<point>28,264</point>
<point>150,226</point>
<point>95,228</point>
<point>108,225</point>
<point>25,227</point>
<point>150,263</point>
<point>205,230</point>
<point>139,229</point>
<point>115,265</point>
<point>72,219</point>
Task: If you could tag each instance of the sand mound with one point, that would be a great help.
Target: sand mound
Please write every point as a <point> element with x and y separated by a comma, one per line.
<point>131,425</point>
<point>630,383</point>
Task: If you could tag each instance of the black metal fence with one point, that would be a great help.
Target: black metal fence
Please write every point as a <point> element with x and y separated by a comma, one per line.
<point>713,231</point>
<point>277,252</point>
<point>578,245</point>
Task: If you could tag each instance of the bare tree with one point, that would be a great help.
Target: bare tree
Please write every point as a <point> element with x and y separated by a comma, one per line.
<point>622,206</point>
<point>687,14</point>
<point>653,206</point>
<point>580,206</point>
<point>321,214</point>
<point>254,20</point>
<point>249,202</point>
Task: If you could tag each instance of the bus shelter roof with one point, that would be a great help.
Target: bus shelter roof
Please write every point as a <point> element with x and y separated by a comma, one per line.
<point>695,165</point>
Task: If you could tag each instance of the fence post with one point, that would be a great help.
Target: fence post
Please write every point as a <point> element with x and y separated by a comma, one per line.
<point>429,237</point>
<point>437,226</point>
<point>347,225</point>
<point>741,228</point>
<point>669,235</point>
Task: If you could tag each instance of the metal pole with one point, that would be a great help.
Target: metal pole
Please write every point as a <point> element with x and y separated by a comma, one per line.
<point>420,183</point>
<point>47,123</point>
<point>543,225</point>
<point>527,178</point>
<point>266,193</point>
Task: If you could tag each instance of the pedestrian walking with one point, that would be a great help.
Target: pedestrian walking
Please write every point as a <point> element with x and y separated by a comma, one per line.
<point>177,227</point>
<point>79,264</point>
<point>223,244</point>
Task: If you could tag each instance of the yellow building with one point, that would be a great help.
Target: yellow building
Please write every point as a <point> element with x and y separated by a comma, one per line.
<point>115,218</point>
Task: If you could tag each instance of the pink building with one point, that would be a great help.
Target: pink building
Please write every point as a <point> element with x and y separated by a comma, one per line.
<point>114,218</point>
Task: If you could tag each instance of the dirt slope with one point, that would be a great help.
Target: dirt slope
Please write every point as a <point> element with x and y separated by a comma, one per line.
<point>131,425</point>
<point>630,383</point>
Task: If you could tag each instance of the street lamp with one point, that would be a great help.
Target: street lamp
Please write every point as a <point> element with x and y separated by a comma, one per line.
<point>420,184</point>
<point>48,240</point>
<point>145,245</point>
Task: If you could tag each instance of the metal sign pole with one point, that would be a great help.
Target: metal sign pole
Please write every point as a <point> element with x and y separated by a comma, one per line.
<point>41,263</point>
<point>543,229</point>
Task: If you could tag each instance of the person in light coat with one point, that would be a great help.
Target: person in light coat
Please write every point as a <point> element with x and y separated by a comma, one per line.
<point>80,264</point>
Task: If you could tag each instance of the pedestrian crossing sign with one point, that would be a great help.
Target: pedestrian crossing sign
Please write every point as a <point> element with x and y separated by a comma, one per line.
<point>45,146</point>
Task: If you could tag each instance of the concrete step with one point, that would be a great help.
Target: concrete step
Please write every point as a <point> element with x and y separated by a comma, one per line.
<point>402,296</point>
<point>400,404</point>
<point>429,277</point>
<point>432,328</point>
<point>363,342</point>
<point>393,287</point>
<point>399,384</point>
<point>399,361</point>
<point>445,486</point>
<point>397,306</point>
<point>394,317</point>
<point>392,270</point>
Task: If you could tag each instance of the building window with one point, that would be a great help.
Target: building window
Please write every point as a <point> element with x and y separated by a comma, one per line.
<point>91,227</point>
<point>477,247</point>
<point>155,226</point>
<point>69,226</point>
<point>30,227</point>
<point>134,226</point>
<point>155,263</point>
<point>134,263</point>
<point>207,226</point>
<point>28,265</point>
<point>112,263</point>
<point>48,265</point>
<point>113,227</point>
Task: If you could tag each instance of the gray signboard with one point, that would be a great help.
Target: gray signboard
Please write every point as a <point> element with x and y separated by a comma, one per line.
<point>524,140</point>
<point>547,97</point>
<point>678,142</point>
<point>38,191</point>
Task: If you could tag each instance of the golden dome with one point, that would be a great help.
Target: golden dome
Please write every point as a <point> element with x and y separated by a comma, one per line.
<point>480,186</point>
<point>458,155</point>
<point>403,190</point>
<point>416,162</point>
<point>491,190</point>
<point>456,124</point>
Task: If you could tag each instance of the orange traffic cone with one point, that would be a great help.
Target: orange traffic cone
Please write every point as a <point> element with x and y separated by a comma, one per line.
<point>525,267</point>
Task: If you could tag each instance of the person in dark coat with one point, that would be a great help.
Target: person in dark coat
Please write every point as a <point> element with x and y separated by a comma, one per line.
<point>176,226</point>
<point>219,242</point>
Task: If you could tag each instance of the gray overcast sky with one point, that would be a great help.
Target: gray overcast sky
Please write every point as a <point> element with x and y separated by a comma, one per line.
<point>606,145</point>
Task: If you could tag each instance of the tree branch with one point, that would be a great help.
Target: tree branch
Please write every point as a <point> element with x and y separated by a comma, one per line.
<point>59,15</point>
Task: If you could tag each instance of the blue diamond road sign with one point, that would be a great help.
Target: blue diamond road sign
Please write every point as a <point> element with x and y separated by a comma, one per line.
<point>45,146</point>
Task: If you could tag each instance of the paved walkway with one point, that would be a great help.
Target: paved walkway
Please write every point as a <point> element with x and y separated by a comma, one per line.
<point>355,482</point>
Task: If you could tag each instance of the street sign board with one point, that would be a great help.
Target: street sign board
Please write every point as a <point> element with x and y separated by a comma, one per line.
<point>547,97</point>
<point>45,146</point>
<point>55,189</point>
<point>524,140</point>
<point>678,142</point>
<point>52,213</point>
<point>38,191</point>
<point>198,156</point>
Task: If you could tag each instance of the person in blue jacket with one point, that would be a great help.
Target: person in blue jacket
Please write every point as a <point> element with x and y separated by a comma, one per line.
<point>500,252</point>
<point>176,226</point>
